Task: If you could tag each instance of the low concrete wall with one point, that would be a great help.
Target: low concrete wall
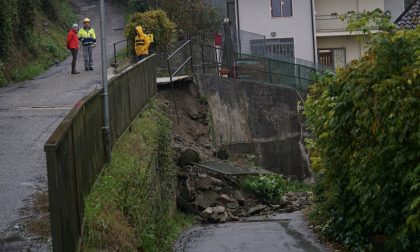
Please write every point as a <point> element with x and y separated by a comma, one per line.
<point>257,118</point>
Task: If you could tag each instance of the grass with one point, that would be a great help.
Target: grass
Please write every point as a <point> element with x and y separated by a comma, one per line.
<point>132,204</point>
<point>47,47</point>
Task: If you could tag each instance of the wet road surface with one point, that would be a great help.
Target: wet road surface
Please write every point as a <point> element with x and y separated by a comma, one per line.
<point>283,232</point>
<point>30,111</point>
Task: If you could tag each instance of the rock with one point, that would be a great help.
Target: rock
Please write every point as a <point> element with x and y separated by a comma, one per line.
<point>207,146</point>
<point>224,198</point>
<point>281,210</point>
<point>214,218</point>
<point>275,207</point>
<point>218,209</point>
<point>201,176</point>
<point>232,217</point>
<point>289,209</point>
<point>232,205</point>
<point>223,217</point>
<point>189,156</point>
<point>217,189</point>
<point>204,183</point>
<point>205,199</point>
<point>216,182</point>
<point>207,212</point>
<point>256,209</point>
<point>222,154</point>
<point>240,197</point>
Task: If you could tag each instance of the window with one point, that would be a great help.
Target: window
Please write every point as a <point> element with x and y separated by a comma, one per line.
<point>335,57</point>
<point>273,48</point>
<point>281,8</point>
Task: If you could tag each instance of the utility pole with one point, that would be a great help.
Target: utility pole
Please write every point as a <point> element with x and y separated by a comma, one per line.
<point>106,127</point>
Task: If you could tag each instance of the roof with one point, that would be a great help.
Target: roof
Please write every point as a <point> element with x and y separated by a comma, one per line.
<point>410,18</point>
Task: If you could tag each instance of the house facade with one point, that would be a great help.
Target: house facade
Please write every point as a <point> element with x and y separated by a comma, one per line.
<point>305,29</point>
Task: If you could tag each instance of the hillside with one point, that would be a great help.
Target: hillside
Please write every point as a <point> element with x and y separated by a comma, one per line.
<point>33,37</point>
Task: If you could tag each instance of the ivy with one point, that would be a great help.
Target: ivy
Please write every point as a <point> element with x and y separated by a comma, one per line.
<point>365,145</point>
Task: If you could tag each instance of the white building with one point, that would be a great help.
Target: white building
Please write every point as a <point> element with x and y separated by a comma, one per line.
<point>306,29</point>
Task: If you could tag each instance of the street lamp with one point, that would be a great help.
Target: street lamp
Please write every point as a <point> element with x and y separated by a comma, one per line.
<point>106,127</point>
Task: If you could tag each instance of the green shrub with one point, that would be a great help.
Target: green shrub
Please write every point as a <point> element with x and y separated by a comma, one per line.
<point>365,145</point>
<point>271,187</point>
<point>155,22</point>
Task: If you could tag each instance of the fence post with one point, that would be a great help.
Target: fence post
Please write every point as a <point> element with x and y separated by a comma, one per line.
<point>172,89</point>
<point>191,55</point>
<point>269,69</point>
<point>299,80</point>
<point>115,55</point>
<point>202,58</point>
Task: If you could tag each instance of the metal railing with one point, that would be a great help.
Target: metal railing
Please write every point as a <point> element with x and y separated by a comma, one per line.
<point>213,60</point>
<point>330,23</point>
<point>76,151</point>
<point>181,57</point>
<point>121,51</point>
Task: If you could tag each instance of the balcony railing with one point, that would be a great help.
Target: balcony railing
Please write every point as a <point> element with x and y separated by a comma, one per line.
<point>330,23</point>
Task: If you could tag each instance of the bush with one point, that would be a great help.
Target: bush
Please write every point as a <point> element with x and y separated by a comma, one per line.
<point>193,18</point>
<point>155,22</point>
<point>271,187</point>
<point>365,145</point>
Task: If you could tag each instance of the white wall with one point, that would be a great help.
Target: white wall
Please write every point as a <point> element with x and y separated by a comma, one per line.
<point>326,7</point>
<point>354,48</point>
<point>255,16</point>
<point>396,7</point>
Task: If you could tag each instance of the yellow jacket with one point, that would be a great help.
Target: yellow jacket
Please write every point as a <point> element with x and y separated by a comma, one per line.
<point>142,42</point>
<point>87,36</point>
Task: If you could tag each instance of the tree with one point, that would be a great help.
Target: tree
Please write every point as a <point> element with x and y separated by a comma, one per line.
<point>155,22</point>
<point>365,145</point>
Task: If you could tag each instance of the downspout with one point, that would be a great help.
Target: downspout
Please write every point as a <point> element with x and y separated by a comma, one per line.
<point>313,32</point>
<point>238,30</point>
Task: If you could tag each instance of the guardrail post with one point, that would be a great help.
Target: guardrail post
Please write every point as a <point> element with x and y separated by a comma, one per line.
<point>270,71</point>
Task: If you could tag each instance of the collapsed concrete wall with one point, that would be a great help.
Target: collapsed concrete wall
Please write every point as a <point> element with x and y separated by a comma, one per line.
<point>255,118</point>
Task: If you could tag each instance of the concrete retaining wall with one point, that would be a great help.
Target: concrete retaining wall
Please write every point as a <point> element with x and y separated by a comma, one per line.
<point>255,118</point>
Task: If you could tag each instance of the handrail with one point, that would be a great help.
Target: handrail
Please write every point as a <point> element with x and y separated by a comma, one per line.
<point>172,74</point>
<point>177,50</point>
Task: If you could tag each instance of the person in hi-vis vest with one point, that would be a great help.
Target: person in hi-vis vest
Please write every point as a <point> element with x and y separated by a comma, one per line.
<point>88,38</point>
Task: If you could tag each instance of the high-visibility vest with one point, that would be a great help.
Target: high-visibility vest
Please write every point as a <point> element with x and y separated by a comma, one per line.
<point>87,37</point>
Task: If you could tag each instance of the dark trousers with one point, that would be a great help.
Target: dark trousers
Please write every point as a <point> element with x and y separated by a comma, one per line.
<point>73,62</point>
<point>141,57</point>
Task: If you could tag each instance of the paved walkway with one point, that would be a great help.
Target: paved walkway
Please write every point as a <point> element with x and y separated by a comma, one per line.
<point>280,233</point>
<point>30,111</point>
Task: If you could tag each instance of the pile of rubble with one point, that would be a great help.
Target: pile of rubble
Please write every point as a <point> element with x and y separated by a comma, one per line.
<point>218,198</point>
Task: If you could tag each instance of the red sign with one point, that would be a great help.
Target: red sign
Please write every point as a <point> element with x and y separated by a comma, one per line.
<point>218,39</point>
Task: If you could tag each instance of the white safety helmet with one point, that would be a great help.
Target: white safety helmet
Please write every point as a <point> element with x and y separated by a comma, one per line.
<point>75,26</point>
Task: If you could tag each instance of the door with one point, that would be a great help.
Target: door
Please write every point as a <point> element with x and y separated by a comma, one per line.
<point>326,57</point>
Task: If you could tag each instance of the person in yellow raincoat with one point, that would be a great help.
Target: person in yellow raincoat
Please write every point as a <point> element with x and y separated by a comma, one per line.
<point>142,43</point>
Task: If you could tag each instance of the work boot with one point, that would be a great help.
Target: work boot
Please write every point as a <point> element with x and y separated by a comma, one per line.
<point>75,72</point>
<point>86,68</point>
<point>90,68</point>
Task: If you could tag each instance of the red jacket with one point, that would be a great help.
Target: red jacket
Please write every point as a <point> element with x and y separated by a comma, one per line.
<point>72,40</point>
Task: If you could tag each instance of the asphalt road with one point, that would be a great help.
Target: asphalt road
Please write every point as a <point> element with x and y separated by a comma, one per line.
<point>30,111</point>
<point>280,233</point>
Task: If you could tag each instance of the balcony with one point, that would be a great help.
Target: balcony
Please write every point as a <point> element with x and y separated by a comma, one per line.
<point>330,23</point>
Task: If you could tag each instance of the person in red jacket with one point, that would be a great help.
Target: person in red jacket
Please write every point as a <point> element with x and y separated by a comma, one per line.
<point>73,46</point>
